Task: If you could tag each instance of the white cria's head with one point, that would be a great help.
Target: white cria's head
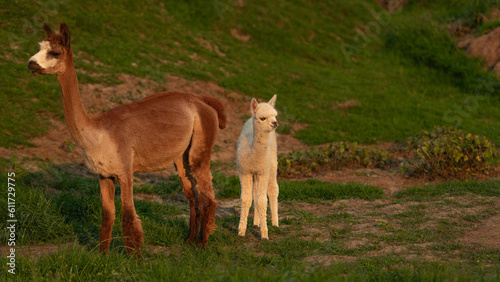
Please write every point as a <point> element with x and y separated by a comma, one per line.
<point>265,116</point>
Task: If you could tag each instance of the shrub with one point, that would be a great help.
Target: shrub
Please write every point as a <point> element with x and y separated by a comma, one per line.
<point>449,153</point>
<point>334,156</point>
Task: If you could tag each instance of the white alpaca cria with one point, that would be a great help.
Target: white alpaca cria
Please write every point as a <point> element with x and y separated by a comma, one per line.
<point>258,165</point>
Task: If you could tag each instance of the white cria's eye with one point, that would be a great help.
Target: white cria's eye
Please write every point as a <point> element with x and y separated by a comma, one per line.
<point>262,118</point>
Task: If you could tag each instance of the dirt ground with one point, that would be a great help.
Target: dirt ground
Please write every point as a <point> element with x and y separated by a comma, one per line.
<point>57,147</point>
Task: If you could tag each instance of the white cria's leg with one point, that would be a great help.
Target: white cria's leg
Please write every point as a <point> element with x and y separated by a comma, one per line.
<point>273,191</point>
<point>256,217</point>
<point>261,204</point>
<point>246,201</point>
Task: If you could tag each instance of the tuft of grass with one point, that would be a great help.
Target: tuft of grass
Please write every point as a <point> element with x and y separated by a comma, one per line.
<point>290,247</point>
<point>167,188</point>
<point>83,214</point>
<point>39,220</point>
<point>412,218</point>
<point>314,190</point>
<point>489,188</point>
<point>487,27</point>
<point>64,179</point>
<point>309,190</point>
<point>226,186</point>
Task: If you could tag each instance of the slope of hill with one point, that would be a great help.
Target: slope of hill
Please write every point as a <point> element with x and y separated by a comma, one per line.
<point>400,70</point>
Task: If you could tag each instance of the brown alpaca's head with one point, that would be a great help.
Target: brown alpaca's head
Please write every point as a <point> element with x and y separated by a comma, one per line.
<point>53,52</point>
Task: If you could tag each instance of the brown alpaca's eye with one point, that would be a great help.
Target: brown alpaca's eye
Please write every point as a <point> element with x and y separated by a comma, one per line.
<point>263,119</point>
<point>54,54</point>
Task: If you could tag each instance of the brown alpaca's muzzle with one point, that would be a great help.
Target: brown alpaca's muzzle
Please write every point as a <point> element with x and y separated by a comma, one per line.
<point>34,67</point>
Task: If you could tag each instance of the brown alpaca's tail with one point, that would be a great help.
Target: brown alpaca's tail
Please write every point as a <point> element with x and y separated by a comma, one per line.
<point>219,107</point>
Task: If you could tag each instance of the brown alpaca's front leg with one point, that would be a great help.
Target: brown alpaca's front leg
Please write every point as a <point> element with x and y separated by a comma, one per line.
<point>132,229</point>
<point>108,212</point>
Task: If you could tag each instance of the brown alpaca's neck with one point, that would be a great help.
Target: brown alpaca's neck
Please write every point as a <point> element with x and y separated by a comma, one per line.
<point>79,123</point>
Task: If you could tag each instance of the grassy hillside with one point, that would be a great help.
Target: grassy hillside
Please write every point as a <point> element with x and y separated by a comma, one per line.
<point>404,73</point>
<point>346,68</point>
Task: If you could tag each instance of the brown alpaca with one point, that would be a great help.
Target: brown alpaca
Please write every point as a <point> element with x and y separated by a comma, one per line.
<point>145,135</point>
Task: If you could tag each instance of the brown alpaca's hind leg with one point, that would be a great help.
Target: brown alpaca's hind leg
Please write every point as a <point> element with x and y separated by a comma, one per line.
<point>108,212</point>
<point>199,160</point>
<point>132,229</point>
<point>189,188</point>
<point>207,200</point>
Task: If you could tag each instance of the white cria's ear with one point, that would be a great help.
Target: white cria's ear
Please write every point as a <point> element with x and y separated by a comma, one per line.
<point>254,106</point>
<point>272,102</point>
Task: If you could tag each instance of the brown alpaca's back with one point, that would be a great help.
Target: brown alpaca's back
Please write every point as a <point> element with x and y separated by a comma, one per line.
<point>159,128</point>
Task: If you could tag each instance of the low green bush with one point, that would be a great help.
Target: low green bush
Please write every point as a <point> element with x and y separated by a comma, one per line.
<point>446,152</point>
<point>335,156</point>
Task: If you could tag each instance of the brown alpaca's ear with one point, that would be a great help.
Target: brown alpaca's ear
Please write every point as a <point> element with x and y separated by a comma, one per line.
<point>47,30</point>
<point>65,35</point>
<point>254,106</point>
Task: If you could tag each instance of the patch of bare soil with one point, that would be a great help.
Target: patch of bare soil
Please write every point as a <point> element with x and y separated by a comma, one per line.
<point>391,181</point>
<point>34,251</point>
<point>367,219</point>
<point>487,233</point>
<point>327,260</point>
<point>237,34</point>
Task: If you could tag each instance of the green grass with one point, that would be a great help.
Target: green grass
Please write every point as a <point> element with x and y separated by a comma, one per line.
<point>291,52</point>
<point>307,191</point>
<point>72,213</point>
<point>487,27</point>
<point>38,219</point>
<point>487,188</point>
<point>236,264</point>
<point>311,190</point>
